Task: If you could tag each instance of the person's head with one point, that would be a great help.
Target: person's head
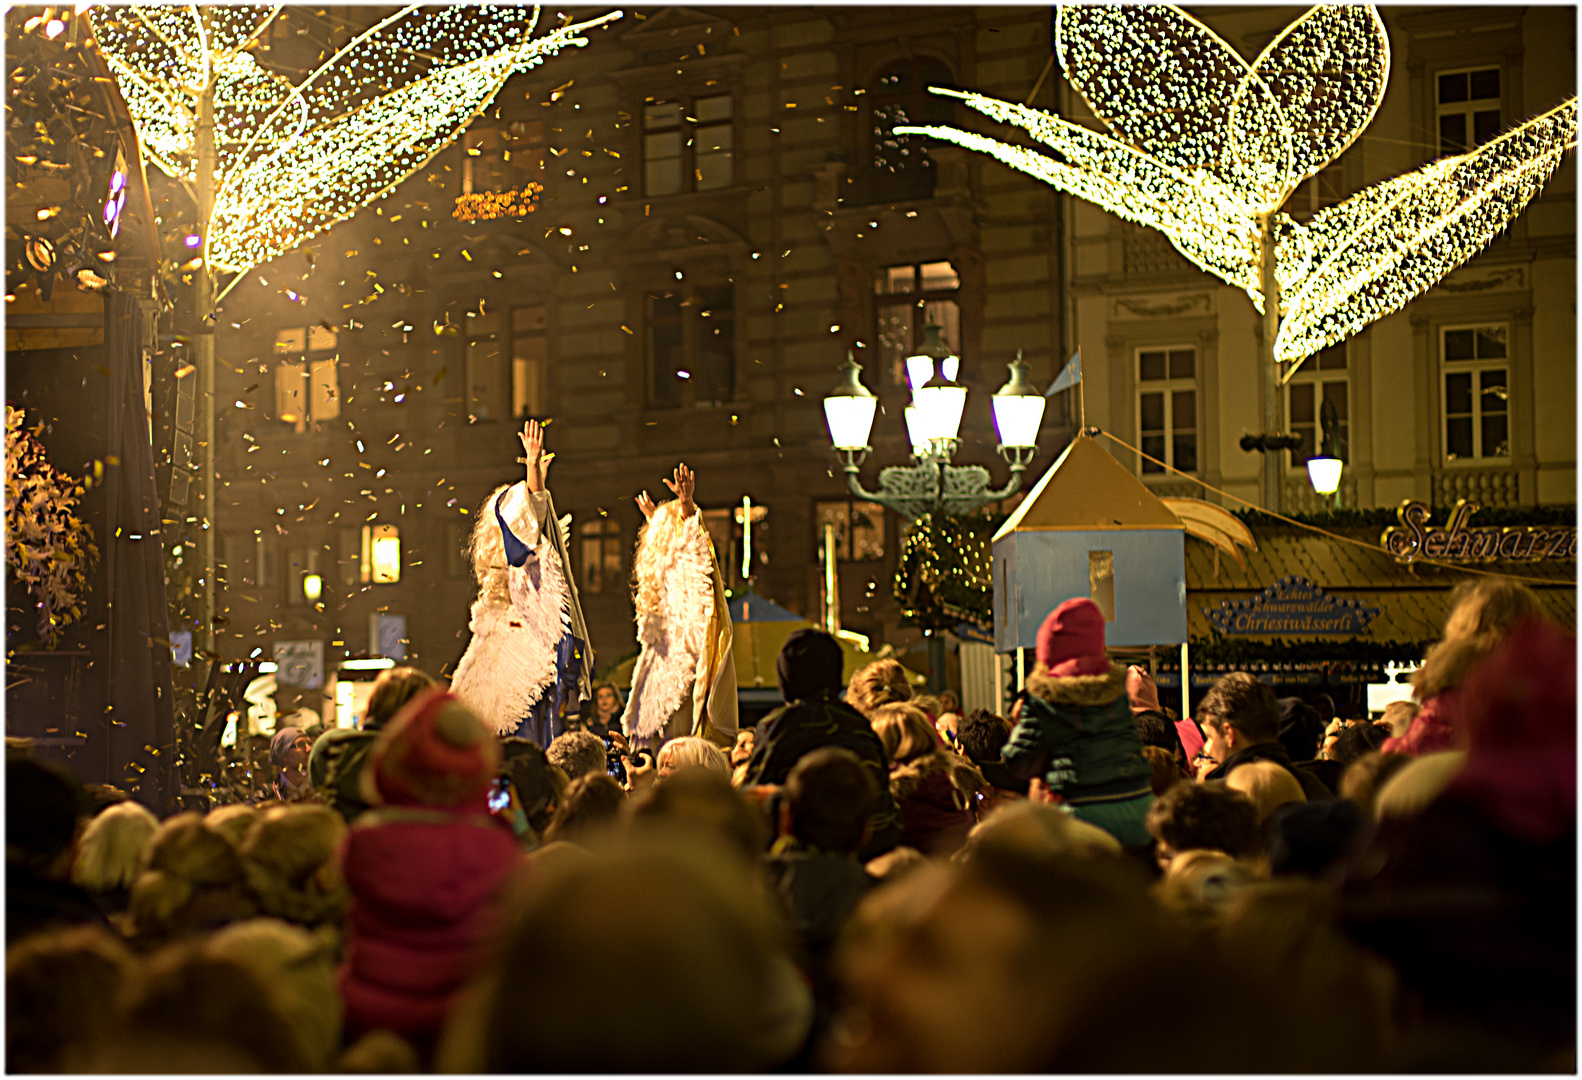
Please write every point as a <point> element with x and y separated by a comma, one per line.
<point>1363,778</point>
<point>1203,816</point>
<point>1071,640</point>
<point>810,663</point>
<point>578,753</point>
<point>1039,830</point>
<point>392,689</point>
<point>689,751</point>
<point>1141,693</point>
<point>742,752</point>
<point>289,858</point>
<point>61,987</point>
<point>1482,615</point>
<point>879,683</point>
<point>1200,883</point>
<point>606,702</point>
<point>1239,711</point>
<point>43,805</point>
<point>1269,786</point>
<point>1153,729</point>
<point>982,735</point>
<point>1399,715</point>
<point>1354,740</point>
<point>525,762</point>
<point>829,797</point>
<point>1310,838</point>
<point>184,1006</point>
<point>928,704</point>
<point>703,802</point>
<point>232,821</point>
<point>434,753</point>
<point>193,881</point>
<point>289,750</point>
<point>1300,728</point>
<point>1416,784</point>
<point>298,967</point>
<point>694,985</point>
<point>979,961</point>
<point>1166,770</point>
<point>904,730</point>
<point>592,802</point>
<point>110,853</point>
<point>949,702</point>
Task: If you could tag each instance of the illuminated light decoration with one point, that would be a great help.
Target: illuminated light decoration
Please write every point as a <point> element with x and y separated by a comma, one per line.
<point>488,205</point>
<point>117,200</point>
<point>1324,472</point>
<point>1206,149</point>
<point>40,254</point>
<point>292,160</point>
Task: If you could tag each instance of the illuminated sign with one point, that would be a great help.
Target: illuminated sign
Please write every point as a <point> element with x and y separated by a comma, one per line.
<point>1414,538</point>
<point>1292,605</point>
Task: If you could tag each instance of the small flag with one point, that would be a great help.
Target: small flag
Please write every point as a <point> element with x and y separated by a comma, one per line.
<point>1069,376</point>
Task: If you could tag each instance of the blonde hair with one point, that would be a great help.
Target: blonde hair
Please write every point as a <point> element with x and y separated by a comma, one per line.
<point>298,968</point>
<point>1399,725</point>
<point>1199,884</point>
<point>289,857</point>
<point>653,538</point>
<point>391,690</point>
<point>1409,791</point>
<point>110,854</point>
<point>1268,785</point>
<point>879,683</point>
<point>231,822</point>
<point>690,750</point>
<point>930,705</point>
<point>183,862</point>
<point>1038,829</point>
<point>904,731</point>
<point>486,550</point>
<point>1482,615</point>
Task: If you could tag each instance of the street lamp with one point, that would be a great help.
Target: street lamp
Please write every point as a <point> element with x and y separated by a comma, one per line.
<point>1324,468</point>
<point>933,424</point>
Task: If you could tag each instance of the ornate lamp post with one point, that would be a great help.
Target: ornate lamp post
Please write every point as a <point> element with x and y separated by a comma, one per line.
<point>933,420</point>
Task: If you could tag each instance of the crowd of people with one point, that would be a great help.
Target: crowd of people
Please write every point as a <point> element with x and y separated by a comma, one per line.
<point>867,880</point>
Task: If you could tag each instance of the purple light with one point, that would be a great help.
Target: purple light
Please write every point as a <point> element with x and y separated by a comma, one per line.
<point>193,240</point>
<point>117,182</point>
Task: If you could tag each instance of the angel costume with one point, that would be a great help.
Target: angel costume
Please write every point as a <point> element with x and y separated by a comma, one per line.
<point>685,679</point>
<point>528,662</point>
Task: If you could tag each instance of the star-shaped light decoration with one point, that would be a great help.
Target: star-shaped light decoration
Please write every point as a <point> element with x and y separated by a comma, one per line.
<point>293,159</point>
<point>1206,148</point>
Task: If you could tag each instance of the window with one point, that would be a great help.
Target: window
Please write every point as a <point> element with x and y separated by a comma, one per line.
<point>529,360</point>
<point>899,167</point>
<point>484,366</point>
<point>303,563</point>
<point>1468,108</point>
<point>692,346</point>
<point>859,529</point>
<point>601,555</point>
<point>1476,392</point>
<point>688,145</point>
<point>381,554</point>
<point>1167,407</point>
<point>1321,381</point>
<point>307,386</point>
<point>908,298</point>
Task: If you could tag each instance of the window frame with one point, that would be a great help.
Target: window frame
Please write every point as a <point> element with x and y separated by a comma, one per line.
<point>605,532</point>
<point>846,532</point>
<point>696,307</point>
<point>1168,387</point>
<point>1312,374</point>
<point>526,384</point>
<point>1467,109</point>
<point>929,109</point>
<point>1475,368</point>
<point>689,129</point>
<point>312,363</point>
<point>918,301</point>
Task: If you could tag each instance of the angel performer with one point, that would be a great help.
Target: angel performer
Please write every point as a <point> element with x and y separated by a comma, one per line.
<point>528,664</point>
<point>685,679</point>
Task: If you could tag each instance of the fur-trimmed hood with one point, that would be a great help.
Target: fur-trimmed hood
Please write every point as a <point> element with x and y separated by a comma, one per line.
<point>1079,690</point>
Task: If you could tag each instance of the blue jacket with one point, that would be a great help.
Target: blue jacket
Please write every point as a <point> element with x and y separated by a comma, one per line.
<point>1077,733</point>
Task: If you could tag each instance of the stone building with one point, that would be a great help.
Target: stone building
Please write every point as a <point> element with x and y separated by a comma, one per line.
<point>664,244</point>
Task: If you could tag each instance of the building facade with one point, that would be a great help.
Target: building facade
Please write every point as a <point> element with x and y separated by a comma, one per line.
<point>664,244</point>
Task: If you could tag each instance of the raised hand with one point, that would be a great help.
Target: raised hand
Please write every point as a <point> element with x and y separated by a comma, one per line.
<point>683,484</point>
<point>646,505</point>
<point>532,436</point>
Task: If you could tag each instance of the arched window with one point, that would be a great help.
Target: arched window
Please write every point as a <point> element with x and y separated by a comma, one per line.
<point>899,168</point>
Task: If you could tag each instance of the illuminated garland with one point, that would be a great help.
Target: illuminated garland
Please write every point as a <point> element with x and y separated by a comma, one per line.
<point>488,205</point>
<point>294,160</point>
<point>944,576</point>
<point>1206,148</point>
<point>48,547</point>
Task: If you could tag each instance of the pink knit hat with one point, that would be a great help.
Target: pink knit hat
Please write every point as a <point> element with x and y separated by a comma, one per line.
<point>1071,641</point>
<point>435,753</point>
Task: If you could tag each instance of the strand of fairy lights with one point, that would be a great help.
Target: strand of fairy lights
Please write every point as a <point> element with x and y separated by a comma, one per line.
<point>295,159</point>
<point>1206,146</point>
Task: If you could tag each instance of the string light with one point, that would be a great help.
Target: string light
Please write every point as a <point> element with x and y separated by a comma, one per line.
<point>1206,148</point>
<point>292,160</point>
<point>488,205</point>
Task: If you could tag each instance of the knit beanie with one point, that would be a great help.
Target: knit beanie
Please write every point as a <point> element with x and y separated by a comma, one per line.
<point>1071,641</point>
<point>809,661</point>
<point>1141,693</point>
<point>435,752</point>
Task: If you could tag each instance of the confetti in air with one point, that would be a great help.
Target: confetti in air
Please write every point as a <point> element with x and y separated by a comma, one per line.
<point>292,160</point>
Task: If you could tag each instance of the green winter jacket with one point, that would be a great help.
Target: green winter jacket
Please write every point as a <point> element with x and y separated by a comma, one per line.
<point>1077,733</point>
